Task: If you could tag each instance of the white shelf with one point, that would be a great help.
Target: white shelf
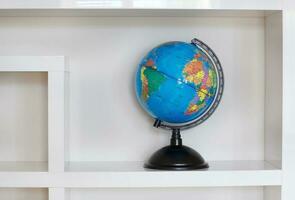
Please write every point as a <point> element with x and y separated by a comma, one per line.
<point>98,12</point>
<point>32,63</point>
<point>136,8</point>
<point>143,4</point>
<point>133,175</point>
<point>220,173</point>
<point>130,166</point>
<point>23,166</point>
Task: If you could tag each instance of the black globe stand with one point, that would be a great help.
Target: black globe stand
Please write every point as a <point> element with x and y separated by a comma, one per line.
<point>176,156</point>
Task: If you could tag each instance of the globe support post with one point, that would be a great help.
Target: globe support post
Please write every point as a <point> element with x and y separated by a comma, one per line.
<point>176,138</point>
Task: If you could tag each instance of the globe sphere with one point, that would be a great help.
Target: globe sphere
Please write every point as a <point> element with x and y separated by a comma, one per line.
<point>177,82</point>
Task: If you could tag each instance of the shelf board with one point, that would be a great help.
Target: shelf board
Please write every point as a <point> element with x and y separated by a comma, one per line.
<point>155,4</point>
<point>137,12</point>
<point>32,63</point>
<point>133,175</point>
<point>23,167</point>
<point>130,166</point>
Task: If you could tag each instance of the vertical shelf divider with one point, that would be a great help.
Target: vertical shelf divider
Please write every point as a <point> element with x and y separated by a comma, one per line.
<point>56,121</point>
<point>57,125</point>
<point>288,149</point>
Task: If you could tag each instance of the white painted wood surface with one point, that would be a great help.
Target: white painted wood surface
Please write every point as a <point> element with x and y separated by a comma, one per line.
<point>56,121</point>
<point>32,63</point>
<point>115,174</point>
<point>131,174</point>
<point>55,68</point>
<point>219,193</point>
<point>242,165</point>
<point>143,4</point>
<point>288,159</point>
<point>24,66</point>
<point>273,89</point>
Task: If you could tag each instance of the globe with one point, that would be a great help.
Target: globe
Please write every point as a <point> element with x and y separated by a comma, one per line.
<point>180,85</point>
<point>179,82</point>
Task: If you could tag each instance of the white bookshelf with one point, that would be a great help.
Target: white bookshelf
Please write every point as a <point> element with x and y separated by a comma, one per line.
<point>92,137</point>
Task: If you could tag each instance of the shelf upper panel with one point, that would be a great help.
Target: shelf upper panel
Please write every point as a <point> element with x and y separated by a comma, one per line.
<point>129,12</point>
<point>175,8</point>
<point>146,4</point>
<point>32,63</point>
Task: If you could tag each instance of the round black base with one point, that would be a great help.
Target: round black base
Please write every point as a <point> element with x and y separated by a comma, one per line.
<point>176,157</point>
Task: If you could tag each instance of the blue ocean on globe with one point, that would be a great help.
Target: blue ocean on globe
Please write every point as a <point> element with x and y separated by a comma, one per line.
<point>176,82</point>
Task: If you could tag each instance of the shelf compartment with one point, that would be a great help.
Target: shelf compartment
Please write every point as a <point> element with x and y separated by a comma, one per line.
<point>107,124</point>
<point>100,129</point>
<point>23,126</point>
<point>114,127</point>
<point>32,118</point>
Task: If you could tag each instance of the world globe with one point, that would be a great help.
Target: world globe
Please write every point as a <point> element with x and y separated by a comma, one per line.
<point>179,83</point>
